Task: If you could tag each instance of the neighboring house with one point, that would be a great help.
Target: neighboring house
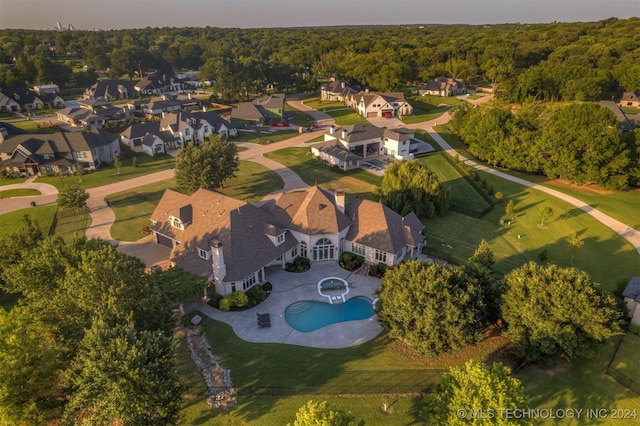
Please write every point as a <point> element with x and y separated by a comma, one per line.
<point>157,85</point>
<point>630,99</point>
<point>7,104</point>
<point>57,153</point>
<point>259,112</point>
<point>386,105</point>
<point>232,242</point>
<point>443,86</point>
<point>109,90</point>
<point>92,113</point>
<point>176,130</point>
<point>337,91</point>
<point>7,130</point>
<point>631,296</point>
<point>25,99</point>
<point>170,103</point>
<point>624,124</point>
<point>46,88</point>
<point>190,79</point>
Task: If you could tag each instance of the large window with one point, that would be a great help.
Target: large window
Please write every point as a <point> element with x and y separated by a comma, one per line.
<point>249,281</point>
<point>358,249</point>
<point>381,256</point>
<point>294,252</point>
<point>280,239</point>
<point>323,250</point>
<point>303,249</point>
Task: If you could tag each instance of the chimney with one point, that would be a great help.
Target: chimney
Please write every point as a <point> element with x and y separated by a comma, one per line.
<point>339,194</point>
<point>164,114</point>
<point>343,84</point>
<point>332,129</point>
<point>204,108</point>
<point>344,133</point>
<point>217,260</point>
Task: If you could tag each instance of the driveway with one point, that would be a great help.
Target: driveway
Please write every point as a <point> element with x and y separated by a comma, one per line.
<point>49,195</point>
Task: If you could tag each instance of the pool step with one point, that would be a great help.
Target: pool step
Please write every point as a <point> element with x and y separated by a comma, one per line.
<point>298,307</point>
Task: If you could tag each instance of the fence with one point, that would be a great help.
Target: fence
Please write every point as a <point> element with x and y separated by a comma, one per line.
<point>358,384</point>
<point>618,375</point>
<point>474,185</point>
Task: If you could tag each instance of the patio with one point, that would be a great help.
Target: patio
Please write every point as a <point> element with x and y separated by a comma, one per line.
<point>291,287</point>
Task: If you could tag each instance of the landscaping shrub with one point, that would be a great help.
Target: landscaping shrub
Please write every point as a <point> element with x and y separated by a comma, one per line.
<point>214,300</point>
<point>256,295</point>
<point>237,299</point>
<point>299,264</point>
<point>350,261</point>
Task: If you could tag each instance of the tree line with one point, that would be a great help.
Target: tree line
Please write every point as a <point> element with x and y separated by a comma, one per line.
<point>578,142</point>
<point>569,61</point>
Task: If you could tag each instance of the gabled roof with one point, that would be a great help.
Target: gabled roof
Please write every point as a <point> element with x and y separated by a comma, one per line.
<point>20,95</point>
<point>59,142</point>
<point>631,96</point>
<point>312,212</point>
<point>632,290</point>
<point>337,150</point>
<point>239,226</point>
<point>12,130</point>
<point>358,132</point>
<point>340,88</point>
<point>271,101</point>
<point>139,130</point>
<point>112,88</point>
<point>376,225</point>
<point>399,134</point>
<point>213,118</point>
<point>247,111</point>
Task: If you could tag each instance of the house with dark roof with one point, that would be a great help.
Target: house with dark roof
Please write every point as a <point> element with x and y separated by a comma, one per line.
<point>232,242</point>
<point>110,90</point>
<point>92,113</point>
<point>443,86</point>
<point>16,99</point>
<point>176,130</point>
<point>157,85</point>
<point>259,112</point>
<point>376,104</point>
<point>630,99</point>
<point>57,153</point>
<point>170,103</point>
<point>338,91</point>
<point>624,124</point>
<point>631,296</point>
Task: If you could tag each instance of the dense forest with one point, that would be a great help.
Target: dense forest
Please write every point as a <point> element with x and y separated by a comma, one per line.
<point>556,61</point>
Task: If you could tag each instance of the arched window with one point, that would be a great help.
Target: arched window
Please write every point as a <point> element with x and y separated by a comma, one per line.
<point>323,250</point>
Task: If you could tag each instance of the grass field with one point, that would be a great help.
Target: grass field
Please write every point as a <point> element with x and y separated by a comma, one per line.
<point>300,118</point>
<point>31,126</point>
<point>70,224</point>
<point>252,182</point>
<point>626,359</point>
<point>263,137</point>
<point>375,367</point>
<point>342,115</point>
<point>462,193</point>
<point>12,221</point>
<point>355,183</point>
<point>108,174</point>
<point>10,181</point>
<point>21,192</point>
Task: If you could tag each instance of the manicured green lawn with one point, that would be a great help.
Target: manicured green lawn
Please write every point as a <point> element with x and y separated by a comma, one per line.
<point>325,106</point>
<point>21,192</point>
<point>629,110</point>
<point>626,359</point>
<point>622,206</point>
<point>252,182</point>
<point>374,368</point>
<point>31,126</point>
<point>462,193</point>
<point>263,137</point>
<point>108,174</point>
<point>356,182</point>
<point>70,224</point>
<point>342,115</point>
<point>581,384</point>
<point>605,256</point>
<point>316,139</point>
<point>12,221</point>
<point>133,209</point>
<point>300,118</point>
<point>11,181</point>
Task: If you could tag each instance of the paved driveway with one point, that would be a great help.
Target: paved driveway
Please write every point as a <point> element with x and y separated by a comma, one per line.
<point>49,196</point>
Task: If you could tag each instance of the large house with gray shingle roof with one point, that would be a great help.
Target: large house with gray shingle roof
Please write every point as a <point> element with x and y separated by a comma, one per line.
<point>110,90</point>
<point>57,153</point>
<point>231,242</point>
<point>259,112</point>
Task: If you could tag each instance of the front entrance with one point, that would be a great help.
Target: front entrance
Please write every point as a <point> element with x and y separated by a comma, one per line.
<point>323,250</point>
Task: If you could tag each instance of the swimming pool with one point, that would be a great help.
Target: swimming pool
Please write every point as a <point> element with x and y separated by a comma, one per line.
<point>311,315</point>
<point>376,163</point>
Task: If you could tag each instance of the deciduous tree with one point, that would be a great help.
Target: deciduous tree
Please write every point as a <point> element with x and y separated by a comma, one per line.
<point>321,414</point>
<point>206,165</point>
<point>553,312</point>
<point>73,197</point>
<point>544,213</point>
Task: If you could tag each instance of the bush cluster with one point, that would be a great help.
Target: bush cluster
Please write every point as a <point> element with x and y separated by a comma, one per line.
<point>299,264</point>
<point>350,261</point>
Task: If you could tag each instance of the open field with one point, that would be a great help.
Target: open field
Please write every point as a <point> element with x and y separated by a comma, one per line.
<point>12,221</point>
<point>108,174</point>
<point>622,206</point>
<point>356,182</point>
<point>462,193</point>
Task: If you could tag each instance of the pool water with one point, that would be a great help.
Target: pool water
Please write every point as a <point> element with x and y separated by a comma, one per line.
<point>311,315</point>
<point>333,287</point>
<point>376,163</point>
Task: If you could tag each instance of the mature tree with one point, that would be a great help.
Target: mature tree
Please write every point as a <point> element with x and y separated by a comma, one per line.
<point>206,165</point>
<point>480,267</point>
<point>482,391</point>
<point>73,197</point>
<point>123,376</point>
<point>510,209</point>
<point>15,245</point>
<point>555,312</point>
<point>177,284</point>
<point>431,308</point>
<point>409,186</point>
<point>117,163</point>
<point>575,242</point>
<point>321,414</point>
<point>545,213</point>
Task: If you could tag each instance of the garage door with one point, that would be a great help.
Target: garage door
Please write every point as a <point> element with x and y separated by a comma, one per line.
<point>165,241</point>
<point>372,114</point>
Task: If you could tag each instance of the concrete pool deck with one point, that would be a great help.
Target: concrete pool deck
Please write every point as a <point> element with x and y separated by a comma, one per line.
<point>289,287</point>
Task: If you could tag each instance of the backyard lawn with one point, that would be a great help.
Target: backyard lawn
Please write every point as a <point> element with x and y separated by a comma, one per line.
<point>263,137</point>
<point>21,192</point>
<point>108,174</point>
<point>252,182</point>
<point>312,171</point>
<point>31,126</point>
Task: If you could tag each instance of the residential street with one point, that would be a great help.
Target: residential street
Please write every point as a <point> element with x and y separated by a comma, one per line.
<point>102,217</point>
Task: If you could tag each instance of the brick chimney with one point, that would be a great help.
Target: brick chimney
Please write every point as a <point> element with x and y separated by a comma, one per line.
<point>339,194</point>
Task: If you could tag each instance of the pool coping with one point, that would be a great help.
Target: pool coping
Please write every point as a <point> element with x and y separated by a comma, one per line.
<point>292,287</point>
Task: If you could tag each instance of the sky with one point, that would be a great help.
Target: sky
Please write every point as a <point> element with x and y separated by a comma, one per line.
<point>117,14</point>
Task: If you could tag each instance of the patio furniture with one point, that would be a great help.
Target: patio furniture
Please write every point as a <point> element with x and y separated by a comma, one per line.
<point>264,320</point>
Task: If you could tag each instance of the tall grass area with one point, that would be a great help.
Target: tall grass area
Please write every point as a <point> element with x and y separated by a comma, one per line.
<point>315,172</point>
<point>606,256</point>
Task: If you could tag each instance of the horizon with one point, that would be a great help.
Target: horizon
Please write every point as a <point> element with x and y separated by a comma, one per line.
<point>108,15</point>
